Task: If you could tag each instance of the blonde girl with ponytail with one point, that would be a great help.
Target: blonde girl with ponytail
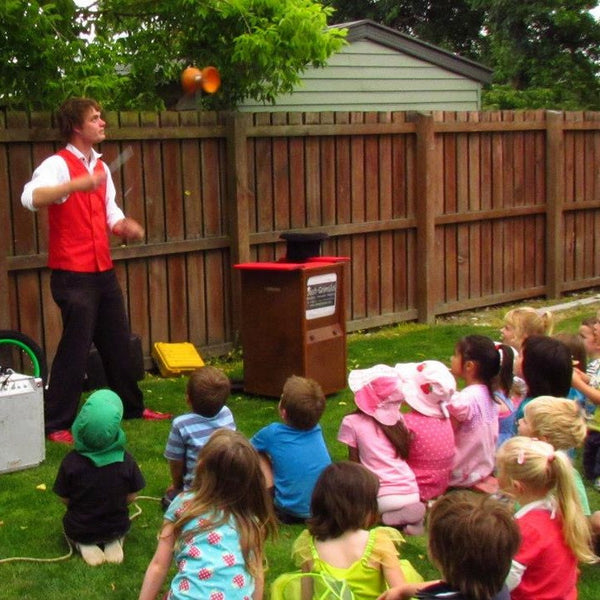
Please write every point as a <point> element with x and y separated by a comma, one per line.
<point>555,535</point>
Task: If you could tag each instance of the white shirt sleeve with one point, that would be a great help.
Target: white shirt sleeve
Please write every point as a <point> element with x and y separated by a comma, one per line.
<point>513,579</point>
<point>113,213</point>
<point>52,171</point>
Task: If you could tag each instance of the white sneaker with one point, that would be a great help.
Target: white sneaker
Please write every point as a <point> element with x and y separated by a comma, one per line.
<point>92,554</point>
<point>113,551</point>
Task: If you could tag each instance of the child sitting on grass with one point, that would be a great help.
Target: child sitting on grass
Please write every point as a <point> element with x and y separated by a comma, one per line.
<point>555,535</point>
<point>216,531</point>
<point>378,438</point>
<point>504,393</point>
<point>340,541</point>
<point>560,422</point>
<point>97,480</point>
<point>520,323</point>
<point>546,366</point>
<point>575,344</point>
<point>293,453</point>
<point>588,384</point>
<point>206,393</point>
<point>524,321</point>
<point>589,332</point>
<point>474,410</point>
<point>428,388</point>
<point>472,539</point>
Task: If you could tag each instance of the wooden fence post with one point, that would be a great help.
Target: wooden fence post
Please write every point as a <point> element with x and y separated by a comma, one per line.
<point>555,194</point>
<point>4,294</point>
<point>425,209</point>
<point>237,206</point>
<point>5,237</point>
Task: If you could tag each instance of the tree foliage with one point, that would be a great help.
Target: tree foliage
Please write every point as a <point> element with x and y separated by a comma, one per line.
<point>136,49</point>
<point>545,53</point>
<point>130,53</point>
<point>451,24</point>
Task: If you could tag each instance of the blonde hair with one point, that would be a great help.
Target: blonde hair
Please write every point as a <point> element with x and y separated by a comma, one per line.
<point>558,421</point>
<point>229,483</point>
<point>541,470</point>
<point>526,321</point>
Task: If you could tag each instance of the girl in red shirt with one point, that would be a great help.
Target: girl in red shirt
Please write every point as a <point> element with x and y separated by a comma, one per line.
<point>555,535</point>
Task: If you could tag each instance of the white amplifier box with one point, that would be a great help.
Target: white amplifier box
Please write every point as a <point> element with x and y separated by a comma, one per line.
<point>22,442</point>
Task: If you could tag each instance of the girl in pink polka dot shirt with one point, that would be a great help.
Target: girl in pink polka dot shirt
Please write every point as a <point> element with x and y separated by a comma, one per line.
<point>428,387</point>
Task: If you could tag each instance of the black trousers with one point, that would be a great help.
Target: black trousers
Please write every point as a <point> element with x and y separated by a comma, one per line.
<point>591,455</point>
<point>92,310</point>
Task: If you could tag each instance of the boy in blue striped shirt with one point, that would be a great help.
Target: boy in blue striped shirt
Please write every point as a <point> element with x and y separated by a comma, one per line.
<point>207,391</point>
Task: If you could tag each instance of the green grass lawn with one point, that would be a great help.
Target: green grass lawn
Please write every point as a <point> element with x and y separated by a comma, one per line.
<point>30,515</point>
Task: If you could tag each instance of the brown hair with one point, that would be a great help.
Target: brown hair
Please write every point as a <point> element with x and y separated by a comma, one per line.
<point>72,113</point>
<point>589,321</point>
<point>207,390</point>
<point>303,401</point>
<point>229,483</point>
<point>344,499</point>
<point>399,436</point>
<point>472,539</point>
<point>575,344</point>
<point>505,377</point>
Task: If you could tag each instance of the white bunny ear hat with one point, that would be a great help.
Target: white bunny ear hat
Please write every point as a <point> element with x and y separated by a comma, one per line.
<point>358,378</point>
<point>427,387</point>
<point>377,392</point>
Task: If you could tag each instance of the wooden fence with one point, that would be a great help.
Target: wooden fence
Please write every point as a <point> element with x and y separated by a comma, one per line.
<point>438,212</point>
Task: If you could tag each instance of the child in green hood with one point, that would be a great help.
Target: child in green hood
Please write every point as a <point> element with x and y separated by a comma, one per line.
<point>97,480</point>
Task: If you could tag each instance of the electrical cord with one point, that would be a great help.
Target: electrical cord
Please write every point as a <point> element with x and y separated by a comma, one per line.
<point>137,512</point>
<point>29,559</point>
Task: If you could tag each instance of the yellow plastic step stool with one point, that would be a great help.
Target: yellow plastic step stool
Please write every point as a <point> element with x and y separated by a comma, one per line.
<point>175,359</point>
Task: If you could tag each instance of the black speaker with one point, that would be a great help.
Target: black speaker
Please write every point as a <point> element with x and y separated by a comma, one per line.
<point>95,378</point>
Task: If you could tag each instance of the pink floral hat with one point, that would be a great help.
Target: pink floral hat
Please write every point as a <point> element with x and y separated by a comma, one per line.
<point>377,392</point>
<point>427,387</point>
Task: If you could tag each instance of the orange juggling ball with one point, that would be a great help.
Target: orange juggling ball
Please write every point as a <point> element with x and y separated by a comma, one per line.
<point>194,79</point>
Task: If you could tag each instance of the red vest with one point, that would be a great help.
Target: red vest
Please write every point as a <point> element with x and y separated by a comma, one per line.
<point>78,236</point>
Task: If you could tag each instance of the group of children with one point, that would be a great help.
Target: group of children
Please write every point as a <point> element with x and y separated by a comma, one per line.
<point>413,437</point>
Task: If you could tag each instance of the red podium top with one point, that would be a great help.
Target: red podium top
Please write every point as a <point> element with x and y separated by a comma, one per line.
<point>311,263</point>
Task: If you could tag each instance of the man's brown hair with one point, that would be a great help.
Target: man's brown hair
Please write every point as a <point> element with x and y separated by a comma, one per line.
<point>208,389</point>
<point>472,539</point>
<point>72,113</point>
<point>303,401</point>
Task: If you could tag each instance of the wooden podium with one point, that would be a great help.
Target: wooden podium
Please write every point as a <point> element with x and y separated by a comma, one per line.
<point>293,322</point>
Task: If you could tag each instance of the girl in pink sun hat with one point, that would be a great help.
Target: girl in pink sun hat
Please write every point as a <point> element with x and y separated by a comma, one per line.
<point>427,388</point>
<point>377,437</point>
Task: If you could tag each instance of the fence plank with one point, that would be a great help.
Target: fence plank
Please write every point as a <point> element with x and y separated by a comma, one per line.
<point>556,170</point>
<point>5,235</point>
